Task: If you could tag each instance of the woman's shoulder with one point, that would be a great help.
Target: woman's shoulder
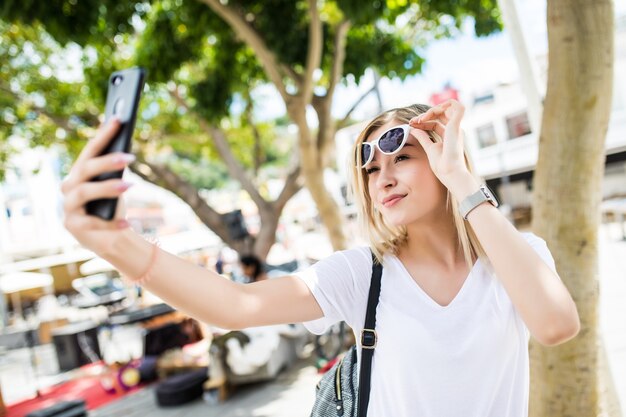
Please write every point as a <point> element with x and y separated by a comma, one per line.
<point>355,254</point>
<point>357,261</point>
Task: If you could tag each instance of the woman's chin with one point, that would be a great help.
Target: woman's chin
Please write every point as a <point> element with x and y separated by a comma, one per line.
<point>396,221</point>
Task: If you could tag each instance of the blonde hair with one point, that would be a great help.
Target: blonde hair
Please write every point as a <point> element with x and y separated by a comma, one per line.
<point>387,239</point>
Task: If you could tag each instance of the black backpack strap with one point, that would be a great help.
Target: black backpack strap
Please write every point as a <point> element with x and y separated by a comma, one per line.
<point>368,338</point>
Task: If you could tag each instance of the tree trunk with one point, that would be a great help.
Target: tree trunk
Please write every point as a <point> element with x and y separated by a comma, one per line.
<point>329,211</point>
<point>311,153</point>
<point>267,235</point>
<point>163,176</point>
<point>312,169</point>
<point>567,196</point>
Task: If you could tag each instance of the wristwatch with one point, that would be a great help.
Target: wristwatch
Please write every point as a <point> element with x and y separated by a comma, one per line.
<point>471,202</point>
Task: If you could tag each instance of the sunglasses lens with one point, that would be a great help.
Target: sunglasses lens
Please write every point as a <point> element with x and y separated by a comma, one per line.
<point>366,151</point>
<point>391,140</point>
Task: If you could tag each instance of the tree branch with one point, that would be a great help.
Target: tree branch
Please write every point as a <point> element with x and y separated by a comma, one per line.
<point>314,54</point>
<point>379,96</point>
<point>290,188</point>
<point>234,167</point>
<point>223,148</point>
<point>342,123</point>
<point>250,36</point>
<point>163,176</point>
<point>292,74</point>
<point>257,155</point>
<point>322,106</point>
<point>339,56</point>
<point>61,122</point>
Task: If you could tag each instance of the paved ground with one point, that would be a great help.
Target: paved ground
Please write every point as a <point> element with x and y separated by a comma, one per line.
<point>613,305</point>
<point>292,393</point>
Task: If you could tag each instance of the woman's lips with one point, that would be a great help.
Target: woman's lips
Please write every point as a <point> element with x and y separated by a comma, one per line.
<point>392,200</point>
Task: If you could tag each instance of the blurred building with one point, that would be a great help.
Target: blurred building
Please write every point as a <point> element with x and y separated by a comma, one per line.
<point>31,206</point>
<point>504,148</point>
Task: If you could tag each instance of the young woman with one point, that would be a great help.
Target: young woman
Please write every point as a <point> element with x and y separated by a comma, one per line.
<point>460,296</point>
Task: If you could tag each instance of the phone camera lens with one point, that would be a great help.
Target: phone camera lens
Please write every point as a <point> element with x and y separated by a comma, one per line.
<point>117,80</point>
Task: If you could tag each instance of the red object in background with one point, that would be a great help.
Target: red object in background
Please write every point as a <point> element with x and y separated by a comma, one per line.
<point>447,93</point>
<point>87,388</point>
<point>328,365</point>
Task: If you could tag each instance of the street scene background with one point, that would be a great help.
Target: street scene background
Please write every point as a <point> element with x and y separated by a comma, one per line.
<point>222,176</point>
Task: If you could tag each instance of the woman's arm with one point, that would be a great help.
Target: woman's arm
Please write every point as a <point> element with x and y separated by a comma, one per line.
<point>210,297</point>
<point>537,292</point>
<point>199,292</point>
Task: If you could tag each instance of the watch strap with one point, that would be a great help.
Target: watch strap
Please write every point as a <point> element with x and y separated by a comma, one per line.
<point>476,199</point>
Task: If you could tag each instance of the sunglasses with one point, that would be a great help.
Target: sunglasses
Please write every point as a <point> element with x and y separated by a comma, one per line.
<point>390,142</point>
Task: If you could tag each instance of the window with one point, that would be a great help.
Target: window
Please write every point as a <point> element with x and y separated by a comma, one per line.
<point>486,135</point>
<point>518,125</point>
<point>484,98</point>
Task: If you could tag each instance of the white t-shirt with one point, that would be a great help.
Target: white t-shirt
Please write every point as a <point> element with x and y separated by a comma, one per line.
<point>469,358</point>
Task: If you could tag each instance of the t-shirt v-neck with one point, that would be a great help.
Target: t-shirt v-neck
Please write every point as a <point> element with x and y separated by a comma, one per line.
<point>406,275</point>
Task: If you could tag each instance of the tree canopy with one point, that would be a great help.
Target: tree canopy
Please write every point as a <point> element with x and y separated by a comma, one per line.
<point>187,42</point>
<point>204,60</point>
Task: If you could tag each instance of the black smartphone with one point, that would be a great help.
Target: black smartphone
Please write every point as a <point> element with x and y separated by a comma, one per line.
<point>124,92</point>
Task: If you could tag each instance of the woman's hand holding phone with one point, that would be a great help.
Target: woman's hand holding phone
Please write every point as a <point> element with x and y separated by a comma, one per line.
<point>93,232</point>
<point>91,190</point>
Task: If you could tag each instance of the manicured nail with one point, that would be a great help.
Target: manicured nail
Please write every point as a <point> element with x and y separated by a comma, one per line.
<point>124,185</point>
<point>122,224</point>
<point>125,158</point>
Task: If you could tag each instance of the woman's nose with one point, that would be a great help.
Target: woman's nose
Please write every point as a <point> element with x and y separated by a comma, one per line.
<point>386,177</point>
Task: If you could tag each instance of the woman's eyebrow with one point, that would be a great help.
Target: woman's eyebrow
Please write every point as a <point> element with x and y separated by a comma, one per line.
<point>417,146</point>
<point>412,145</point>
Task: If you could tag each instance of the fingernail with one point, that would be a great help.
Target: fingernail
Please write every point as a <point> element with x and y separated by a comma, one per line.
<point>124,185</point>
<point>122,224</point>
<point>125,158</point>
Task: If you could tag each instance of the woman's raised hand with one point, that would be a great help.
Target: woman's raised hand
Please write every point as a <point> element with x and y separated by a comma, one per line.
<point>92,232</point>
<point>446,158</point>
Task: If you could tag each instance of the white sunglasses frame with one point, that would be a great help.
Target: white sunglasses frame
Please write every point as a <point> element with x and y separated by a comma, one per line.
<point>374,144</point>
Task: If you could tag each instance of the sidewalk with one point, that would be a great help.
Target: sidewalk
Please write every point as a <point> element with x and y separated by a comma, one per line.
<point>289,395</point>
<point>612,308</point>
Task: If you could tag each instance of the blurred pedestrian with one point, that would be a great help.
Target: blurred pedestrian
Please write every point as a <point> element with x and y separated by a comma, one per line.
<point>219,263</point>
<point>252,268</point>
